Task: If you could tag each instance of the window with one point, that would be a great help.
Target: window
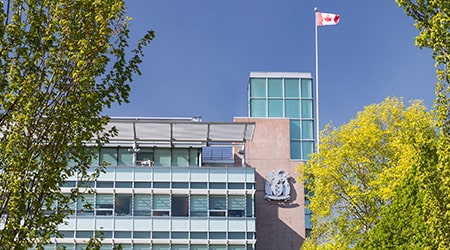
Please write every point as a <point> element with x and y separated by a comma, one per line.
<point>109,156</point>
<point>85,204</point>
<point>180,235</point>
<point>183,185</point>
<point>142,205</point>
<point>258,108</point>
<point>217,205</point>
<point>199,235</point>
<point>307,130</point>
<point>180,157</point>
<point>124,184</point>
<point>306,88</point>
<point>275,87</point>
<point>125,157</point>
<point>163,157</point>
<point>123,205</point>
<point>180,205</point>
<point>199,206</point>
<point>236,206</point>
<point>217,185</point>
<point>104,205</point>
<point>144,155</point>
<point>307,109</point>
<point>292,108</point>
<point>249,205</point>
<point>217,235</point>
<point>122,234</point>
<point>141,235</point>
<point>275,108</point>
<point>258,87</point>
<point>105,184</point>
<point>161,205</point>
<point>160,235</point>
<point>291,88</point>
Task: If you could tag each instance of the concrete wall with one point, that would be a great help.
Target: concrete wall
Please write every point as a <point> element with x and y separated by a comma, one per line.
<point>279,225</point>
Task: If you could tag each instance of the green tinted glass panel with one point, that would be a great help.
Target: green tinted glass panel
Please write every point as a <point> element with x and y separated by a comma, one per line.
<point>236,202</point>
<point>291,88</point>
<point>194,155</point>
<point>306,88</point>
<point>294,129</point>
<point>307,130</point>
<point>307,109</point>
<point>249,205</point>
<point>85,204</point>
<point>217,203</point>
<point>142,204</point>
<point>180,157</point>
<point>199,205</point>
<point>161,201</point>
<point>275,108</point>
<point>275,87</point>
<point>125,157</point>
<point>109,155</point>
<point>258,87</point>
<point>308,148</point>
<point>292,108</point>
<point>162,157</point>
<point>145,154</point>
<point>257,108</point>
<point>295,150</point>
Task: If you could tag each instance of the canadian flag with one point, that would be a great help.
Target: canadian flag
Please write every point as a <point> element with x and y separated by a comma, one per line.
<point>326,19</point>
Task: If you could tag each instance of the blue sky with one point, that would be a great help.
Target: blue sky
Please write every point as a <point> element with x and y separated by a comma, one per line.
<point>204,50</point>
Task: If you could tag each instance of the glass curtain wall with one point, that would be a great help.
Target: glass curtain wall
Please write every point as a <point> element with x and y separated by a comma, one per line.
<point>288,98</point>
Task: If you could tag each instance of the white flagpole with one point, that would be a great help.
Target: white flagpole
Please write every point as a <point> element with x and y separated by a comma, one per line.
<point>317,83</point>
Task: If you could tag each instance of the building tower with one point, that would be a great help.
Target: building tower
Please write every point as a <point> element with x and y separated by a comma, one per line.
<point>282,106</point>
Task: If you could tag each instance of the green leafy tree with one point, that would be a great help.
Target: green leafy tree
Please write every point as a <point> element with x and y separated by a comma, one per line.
<point>61,63</point>
<point>421,204</point>
<point>360,164</point>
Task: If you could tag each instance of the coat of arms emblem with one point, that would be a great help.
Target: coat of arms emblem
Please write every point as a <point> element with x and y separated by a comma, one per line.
<point>277,186</point>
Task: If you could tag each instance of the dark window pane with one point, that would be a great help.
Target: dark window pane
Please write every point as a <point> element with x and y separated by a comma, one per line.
<point>105,184</point>
<point>161,184</point>
<point>123,184</point>
<point>199,235</point>
<point>160,235</point>
<point>236,235</point>
<point>179,235</point>
<point>180,206</point>
<point>123,205</point>
<point>217,185</point>
<point>198,185</point>
<point>141,235</point>
<point>235,185</point>
<point>217,235</point>
<point>142,184</point>
<point>85,234</point>
<point>180,185</point>
<point>122,234</point>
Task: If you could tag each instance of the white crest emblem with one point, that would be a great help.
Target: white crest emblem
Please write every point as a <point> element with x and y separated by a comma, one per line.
<point>277,186</point>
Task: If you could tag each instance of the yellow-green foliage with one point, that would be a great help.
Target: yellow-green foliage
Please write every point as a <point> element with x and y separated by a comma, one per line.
<point>359,165</point>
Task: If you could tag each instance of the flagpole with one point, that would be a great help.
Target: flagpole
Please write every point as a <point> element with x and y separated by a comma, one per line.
<point>317,83</point>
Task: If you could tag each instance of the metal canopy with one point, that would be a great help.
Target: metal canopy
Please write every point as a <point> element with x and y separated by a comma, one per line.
<point>179,132</point>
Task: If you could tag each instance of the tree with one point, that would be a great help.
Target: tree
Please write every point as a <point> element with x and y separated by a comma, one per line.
<point>61,63</point>
<point>425,212</point>
<point>359,166</point>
